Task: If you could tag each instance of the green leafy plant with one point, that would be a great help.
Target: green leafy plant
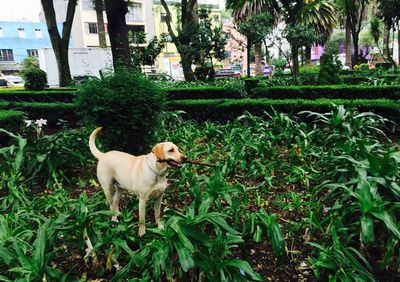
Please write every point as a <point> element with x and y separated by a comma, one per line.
<point>127,105</point>
<point>35,79</point>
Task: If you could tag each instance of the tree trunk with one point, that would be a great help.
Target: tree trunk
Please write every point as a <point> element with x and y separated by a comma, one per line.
<point>348,45</point>
<point>387,46</point>
<point>398,42</point>
<point>258,59</point>
<point>248,48</point>
<point>118,32</point>
<point>308,55</point>
<point>59,43</point>
<point>385,39</point>
<point>295,60</point>
<point>99,7</point>
<point>356,50</point>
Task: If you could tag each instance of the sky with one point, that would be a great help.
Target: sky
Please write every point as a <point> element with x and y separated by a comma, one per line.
<point>19,10</point>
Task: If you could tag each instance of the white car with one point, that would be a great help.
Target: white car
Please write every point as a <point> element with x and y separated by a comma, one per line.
<point>16,80</point>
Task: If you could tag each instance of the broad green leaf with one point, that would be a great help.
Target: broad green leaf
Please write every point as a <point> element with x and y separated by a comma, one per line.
<point>367,229</point>
<point>185,257</point>
<point>245,266</point>
<point>387,219</point>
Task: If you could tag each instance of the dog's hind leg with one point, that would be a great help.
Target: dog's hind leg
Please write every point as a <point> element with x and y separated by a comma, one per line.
<point>157,211</point>
<point>108,187</point>
<point>116,198</point>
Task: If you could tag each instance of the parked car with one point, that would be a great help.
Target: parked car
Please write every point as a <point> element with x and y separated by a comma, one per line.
<point>83,78</point>
<point>16,80</point>
<point>159,77</point>
<point>226,73</point>
<point>5,83</point>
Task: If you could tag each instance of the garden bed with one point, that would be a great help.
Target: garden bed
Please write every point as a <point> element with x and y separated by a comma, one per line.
<point>289,201</point>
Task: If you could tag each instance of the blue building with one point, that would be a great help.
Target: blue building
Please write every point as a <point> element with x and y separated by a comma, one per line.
<point>19,40</point>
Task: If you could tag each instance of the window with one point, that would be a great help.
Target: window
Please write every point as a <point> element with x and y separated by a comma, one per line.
<point>6,55</point>
<point>1,32</point>
<point>32,52</point>
<point>216,18</point>
<point>21,32</point>
<point>163,17</point>
<point>38,33</point>
<point>134,13</point>
<point>92,28</point>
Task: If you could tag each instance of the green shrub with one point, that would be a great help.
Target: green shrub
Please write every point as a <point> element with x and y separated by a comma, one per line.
<point>35,79</point>
<point>363,67</point>
<point>223,109</point>
<point>49,96</point>
<point>391,92</point>
<point>329,70</point>
<point>127,105</point>
<point>53,112</point>
<point>10,120</point>
<point>203,93</point>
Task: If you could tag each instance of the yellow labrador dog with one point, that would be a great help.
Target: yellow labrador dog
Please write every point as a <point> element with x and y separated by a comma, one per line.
<point>145,175</point>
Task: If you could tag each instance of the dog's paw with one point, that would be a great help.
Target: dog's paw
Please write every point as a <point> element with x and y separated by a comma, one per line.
<point>114,218</point>
<point>161,226</point>
<point>142,230</point>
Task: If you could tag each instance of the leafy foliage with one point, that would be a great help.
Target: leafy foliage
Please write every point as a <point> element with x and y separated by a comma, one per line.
<point>35,79</point>
<point>134,115</point>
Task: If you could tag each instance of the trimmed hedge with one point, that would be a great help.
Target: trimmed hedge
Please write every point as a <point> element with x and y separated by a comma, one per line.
<point>48,96</point>
<point>10,119</point>
<point>50,111</point>
<point>391,92</point>
<point>354,80</point>
<point>223,109</point>
<point>202,93</point>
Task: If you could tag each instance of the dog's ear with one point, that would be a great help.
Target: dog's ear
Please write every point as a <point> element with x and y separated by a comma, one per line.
<point>158,150</point>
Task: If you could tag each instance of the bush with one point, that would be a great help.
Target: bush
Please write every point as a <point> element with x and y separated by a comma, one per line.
<point>127,105</point>
<point>332,92</point>
<point>329,70</point>
<point>11,121</point>
<point>223,110</point>
<point>203,93</point>
<point>35,79</point>
<point>53,112</point>
<point>49,96</point>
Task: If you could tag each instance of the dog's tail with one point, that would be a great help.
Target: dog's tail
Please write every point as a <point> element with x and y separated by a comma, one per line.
<point>92,143</point>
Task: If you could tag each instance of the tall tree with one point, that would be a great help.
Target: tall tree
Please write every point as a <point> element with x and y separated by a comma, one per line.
<point>355,12</point>
<point>118,32</point>
<point>322,16</point>
<point>59,42</point>
<point>255,28</point>
<point>99,8</point>
<point>242,10</point>
<point>183,40</point>
<point>389,12</point>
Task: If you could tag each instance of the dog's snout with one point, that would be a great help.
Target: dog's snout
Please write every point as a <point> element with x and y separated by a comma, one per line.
<point>184,158</point>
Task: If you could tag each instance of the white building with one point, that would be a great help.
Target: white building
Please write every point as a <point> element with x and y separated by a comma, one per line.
<point>84,32</point>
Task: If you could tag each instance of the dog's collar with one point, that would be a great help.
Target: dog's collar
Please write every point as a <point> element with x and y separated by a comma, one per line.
<point>155,172</point>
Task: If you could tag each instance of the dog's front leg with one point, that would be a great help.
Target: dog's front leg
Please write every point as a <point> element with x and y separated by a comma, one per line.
<point>142,215</point>
<point>157,210</point>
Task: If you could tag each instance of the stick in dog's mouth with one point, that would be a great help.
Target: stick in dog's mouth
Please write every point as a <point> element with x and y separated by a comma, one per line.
<point>173,163</point>
<point>176,164</point>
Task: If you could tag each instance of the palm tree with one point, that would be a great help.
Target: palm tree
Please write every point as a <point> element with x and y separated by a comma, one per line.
<point>321,15</point>
<point>243,9</point>
<point>355,11</point>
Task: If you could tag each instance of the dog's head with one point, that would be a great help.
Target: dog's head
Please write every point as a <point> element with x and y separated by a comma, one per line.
<point>169,153</point>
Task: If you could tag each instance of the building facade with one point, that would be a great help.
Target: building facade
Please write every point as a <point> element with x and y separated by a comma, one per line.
<point>19,40</point>
<point>169,60</point>
<point>85,31</point>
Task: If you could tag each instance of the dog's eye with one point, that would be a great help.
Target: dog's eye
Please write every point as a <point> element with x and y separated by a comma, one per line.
<point>171,150</point>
